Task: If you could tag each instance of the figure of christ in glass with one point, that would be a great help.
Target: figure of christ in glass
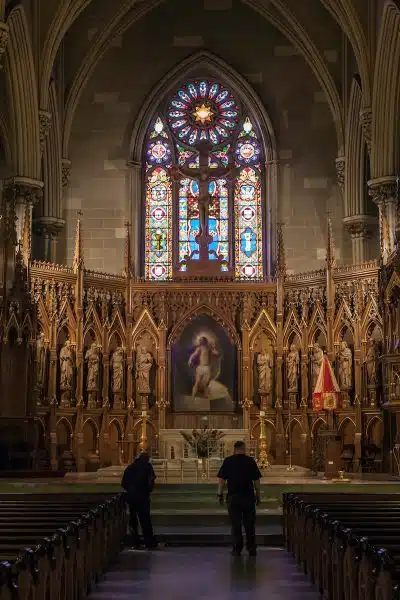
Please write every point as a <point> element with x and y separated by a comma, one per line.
<point>189,222</point>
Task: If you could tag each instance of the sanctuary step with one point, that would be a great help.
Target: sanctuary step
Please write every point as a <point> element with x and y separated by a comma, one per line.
<point>192,471</point>
<point>206,573</point>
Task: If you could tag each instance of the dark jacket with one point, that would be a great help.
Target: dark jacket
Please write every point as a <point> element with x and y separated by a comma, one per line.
<point>138,479</point>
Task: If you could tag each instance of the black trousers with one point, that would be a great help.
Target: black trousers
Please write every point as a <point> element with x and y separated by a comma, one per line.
<point>242,511</point>
<point>139,510</point>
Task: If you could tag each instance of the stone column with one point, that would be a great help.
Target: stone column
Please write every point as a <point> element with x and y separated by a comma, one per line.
<point>25,193</point>
<point>359,227</point>
<point>383,193</point>
<point>135,206</point>
<point>48,229</point>
<point>271,194</point>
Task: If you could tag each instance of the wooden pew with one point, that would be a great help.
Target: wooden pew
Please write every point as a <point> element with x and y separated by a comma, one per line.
<point>55,548</point>
<point>349,544</point>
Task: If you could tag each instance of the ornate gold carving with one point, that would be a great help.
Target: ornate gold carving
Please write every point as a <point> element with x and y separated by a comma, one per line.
<point>66,172</point>
<point>366,125</point>
<point>4,37</point>
<point>340,163</point>
<point>44,127</point>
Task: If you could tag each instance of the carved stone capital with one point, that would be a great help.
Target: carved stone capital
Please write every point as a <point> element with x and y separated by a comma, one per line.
<point>340,163</point>
<point>134,165</point>
<point>366,126</point>
<point>3,41</point>
<point>66,172</point>
<point>383,189</point>
<point>24,189</point>
<point>48,225</point>
<point>359,225</point>
<point>44,126</point>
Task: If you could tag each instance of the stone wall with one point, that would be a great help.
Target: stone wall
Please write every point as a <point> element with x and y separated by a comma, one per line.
<point>301,118</point>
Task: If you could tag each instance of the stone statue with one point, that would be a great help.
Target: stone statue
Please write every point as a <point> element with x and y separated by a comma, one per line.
<point>117,369</point>
<point>316,362</point>
<point>67,364</point>
<point>293,365</point>
<point>264,369</point>
<point>371,362</point>
<point>93,359</point>
<point>345,366</point>
<point>40,359</point>
<point>144,362</point>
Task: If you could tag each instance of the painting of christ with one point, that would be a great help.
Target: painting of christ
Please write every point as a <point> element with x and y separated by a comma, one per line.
<point>204,368</point>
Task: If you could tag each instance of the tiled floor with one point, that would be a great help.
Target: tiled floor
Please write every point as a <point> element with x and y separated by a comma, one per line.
<point>202,574</point>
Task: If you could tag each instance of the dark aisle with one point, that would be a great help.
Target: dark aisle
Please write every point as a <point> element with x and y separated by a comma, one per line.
<point>202,574</point>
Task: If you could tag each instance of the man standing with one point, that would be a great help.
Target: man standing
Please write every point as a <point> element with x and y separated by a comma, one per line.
<point>243,478</point>
<point>138,481</point>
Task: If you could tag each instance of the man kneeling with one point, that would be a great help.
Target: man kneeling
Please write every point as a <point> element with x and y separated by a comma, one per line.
<point>243,476</point>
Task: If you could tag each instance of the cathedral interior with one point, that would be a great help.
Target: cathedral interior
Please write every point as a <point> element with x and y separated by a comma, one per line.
<point>199,205</point>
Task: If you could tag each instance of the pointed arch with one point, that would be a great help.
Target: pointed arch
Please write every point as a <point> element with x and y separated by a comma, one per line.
<point>213,313</point>
<point>22,96</point>
<point>385,160</point>
<point>354,167</point>
<point>203,61</point>
<point>52,172</point>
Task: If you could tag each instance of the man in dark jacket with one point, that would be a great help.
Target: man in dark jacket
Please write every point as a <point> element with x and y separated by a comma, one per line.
<point>242,475</point>
<point>138,481</point>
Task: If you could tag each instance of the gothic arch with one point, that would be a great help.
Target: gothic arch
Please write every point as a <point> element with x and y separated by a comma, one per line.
<point>348,20</point>
<point>196,64</point>
<point>213,313</point>
<point>52,174</point>
<point>22,96</point>
<point>121,22</point>
<point>65,16</point>
<point>385,159</point>
<point>292,29</point>
<point>354,168</point>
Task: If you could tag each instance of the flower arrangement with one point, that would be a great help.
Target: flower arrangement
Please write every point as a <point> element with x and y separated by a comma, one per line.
<point>203,440</point>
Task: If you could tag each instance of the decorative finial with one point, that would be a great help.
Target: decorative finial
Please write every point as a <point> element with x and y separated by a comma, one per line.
<point>330,247</point>
<point>281,258</point>
<point>78,254</point>
<point>127,250</point>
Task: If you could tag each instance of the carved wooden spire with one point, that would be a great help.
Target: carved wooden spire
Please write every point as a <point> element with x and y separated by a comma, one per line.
<point>127,251</point>
<point>26,236</point>
<point>281,258</point>
<point>78,252</point>
<point>330,246</point>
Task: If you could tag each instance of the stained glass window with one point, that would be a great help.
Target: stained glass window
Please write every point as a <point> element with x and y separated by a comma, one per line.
<point>203,110</point>
<point>189,224</point>
<point>248,210</point>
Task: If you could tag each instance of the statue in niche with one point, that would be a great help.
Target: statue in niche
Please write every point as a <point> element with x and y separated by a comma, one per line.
<point>316,362</point>
<point>67,364</point>
<point>345,366</point>
<point>144,363</point>
<point>93,359</point>
<point>117,370</point>
<point>293,365</point>
<point>264,363</point>
<point>371,362</point>
<point>40,358</point>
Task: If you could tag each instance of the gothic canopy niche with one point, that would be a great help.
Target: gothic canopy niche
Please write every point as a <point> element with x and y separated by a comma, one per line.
<point>204,115</point>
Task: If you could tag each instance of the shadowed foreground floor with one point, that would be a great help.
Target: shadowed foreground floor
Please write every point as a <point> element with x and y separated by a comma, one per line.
<point>204,573</point>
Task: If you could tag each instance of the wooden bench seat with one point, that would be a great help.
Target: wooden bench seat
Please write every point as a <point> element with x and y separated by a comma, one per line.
<point>355,549</point>
<point>54,548</point>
